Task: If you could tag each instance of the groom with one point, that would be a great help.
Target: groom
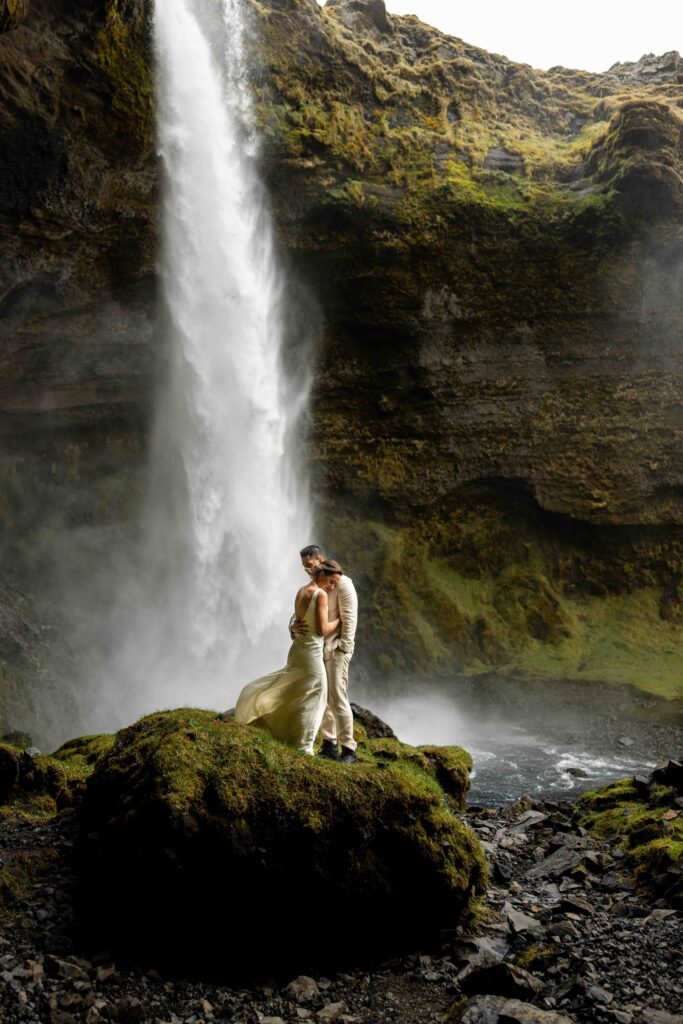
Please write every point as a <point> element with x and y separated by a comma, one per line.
<point>337,727</point>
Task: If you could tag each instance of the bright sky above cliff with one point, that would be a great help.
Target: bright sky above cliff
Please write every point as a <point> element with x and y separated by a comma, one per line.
<point>588,34</point>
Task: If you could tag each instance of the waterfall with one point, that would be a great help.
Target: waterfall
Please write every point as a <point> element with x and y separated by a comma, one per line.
<point>227,509</point>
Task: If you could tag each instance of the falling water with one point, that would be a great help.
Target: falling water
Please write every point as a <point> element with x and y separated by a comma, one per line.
<point>227,510</point>
<point>232,411</point>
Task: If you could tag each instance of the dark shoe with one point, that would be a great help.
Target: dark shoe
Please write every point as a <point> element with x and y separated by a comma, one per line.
<point>329,750</point>
<point>348,756</point>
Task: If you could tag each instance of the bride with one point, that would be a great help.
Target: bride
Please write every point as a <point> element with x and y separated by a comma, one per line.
<point>290,703</point>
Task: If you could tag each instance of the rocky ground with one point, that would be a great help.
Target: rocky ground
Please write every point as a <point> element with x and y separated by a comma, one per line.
<point>562,938</point>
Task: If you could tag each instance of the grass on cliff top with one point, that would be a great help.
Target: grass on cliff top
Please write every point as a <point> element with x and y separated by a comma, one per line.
<point>636,823</point>
<point>418,110</point>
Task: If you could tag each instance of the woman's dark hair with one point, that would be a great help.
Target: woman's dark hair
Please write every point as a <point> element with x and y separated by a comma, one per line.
<point>327,568</point>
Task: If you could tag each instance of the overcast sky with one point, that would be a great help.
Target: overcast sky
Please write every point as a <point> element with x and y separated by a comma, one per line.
<point>588,34</point>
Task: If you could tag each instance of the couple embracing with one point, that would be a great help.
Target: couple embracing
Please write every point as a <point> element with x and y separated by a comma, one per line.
<point>312,689</point>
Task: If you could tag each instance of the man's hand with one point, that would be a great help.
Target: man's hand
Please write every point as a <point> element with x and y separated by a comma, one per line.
<point>299,628</point>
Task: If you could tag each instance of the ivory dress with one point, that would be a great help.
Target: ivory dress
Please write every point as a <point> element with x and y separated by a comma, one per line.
<point>290,703</point>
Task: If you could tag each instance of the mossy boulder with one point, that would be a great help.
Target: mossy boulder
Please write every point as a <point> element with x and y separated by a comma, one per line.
<point>41,785</point>
<point>193,823</point>
<point>646,823</point>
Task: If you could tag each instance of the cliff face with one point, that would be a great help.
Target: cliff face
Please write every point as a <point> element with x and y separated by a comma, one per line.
<point>497,256</point>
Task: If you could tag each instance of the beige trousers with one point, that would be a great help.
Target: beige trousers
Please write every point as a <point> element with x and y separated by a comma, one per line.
<point>338,718</point>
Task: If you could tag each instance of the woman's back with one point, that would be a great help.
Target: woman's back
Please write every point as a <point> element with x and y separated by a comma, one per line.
<point>310,638</point>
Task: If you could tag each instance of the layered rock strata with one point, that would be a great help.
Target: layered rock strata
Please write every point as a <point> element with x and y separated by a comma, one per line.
<point>494,254</point>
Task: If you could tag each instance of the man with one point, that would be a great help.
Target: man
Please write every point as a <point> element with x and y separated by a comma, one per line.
<point>337,727</point>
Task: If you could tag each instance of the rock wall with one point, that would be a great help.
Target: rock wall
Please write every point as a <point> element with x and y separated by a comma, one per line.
<point>496,254</point>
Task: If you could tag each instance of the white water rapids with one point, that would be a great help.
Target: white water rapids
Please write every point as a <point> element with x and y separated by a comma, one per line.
<point>227,510</point>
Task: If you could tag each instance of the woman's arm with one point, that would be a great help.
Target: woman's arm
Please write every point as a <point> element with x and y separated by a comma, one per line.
<point>322,626</point>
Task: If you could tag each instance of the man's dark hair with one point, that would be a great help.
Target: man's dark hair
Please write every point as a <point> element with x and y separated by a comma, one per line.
<point>312,551</point>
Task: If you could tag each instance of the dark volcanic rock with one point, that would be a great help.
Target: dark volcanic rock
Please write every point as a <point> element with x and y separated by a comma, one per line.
<point>500,979</point>
<point>375,728</point>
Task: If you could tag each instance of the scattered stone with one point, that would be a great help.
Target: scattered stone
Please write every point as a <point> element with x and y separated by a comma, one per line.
<point>302,990</point>
<point>331,1012</point>
<point>597,994</point>
<point>625,741</point>
<point>653,1016</point>
<point>530,819</point>
<point>559,863</point>
<point>519,922</point>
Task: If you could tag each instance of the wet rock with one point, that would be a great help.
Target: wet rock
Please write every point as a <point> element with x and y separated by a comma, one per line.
<point>577,773</point>
<point>625,741</point>
<point>501,979</point>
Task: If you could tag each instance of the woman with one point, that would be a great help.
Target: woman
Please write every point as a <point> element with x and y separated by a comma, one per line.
<point>290,703</point>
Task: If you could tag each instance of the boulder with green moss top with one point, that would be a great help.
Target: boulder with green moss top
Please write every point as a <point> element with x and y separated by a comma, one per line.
<point>644,820</point>
<point>41,785</point>
<point>207,843</point>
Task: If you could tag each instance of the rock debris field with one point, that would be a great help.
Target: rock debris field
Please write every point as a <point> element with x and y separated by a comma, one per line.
<point>561,938</point>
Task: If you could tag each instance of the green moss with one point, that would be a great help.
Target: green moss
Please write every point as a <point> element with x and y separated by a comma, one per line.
<point>48,784</point>
<point>490,586</point>
<point>532,954</point>
<point>635,821</point>
<point>122,53</point>
<point>182,789</point>
<point>19,874</point>
<point>79,756</point>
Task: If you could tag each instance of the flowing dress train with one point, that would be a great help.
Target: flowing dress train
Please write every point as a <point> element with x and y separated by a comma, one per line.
<point>290,703</point>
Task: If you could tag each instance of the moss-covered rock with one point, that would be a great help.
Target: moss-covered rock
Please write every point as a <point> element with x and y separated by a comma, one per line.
<point>647,825</point>
<point>41,785</point>
<point>191,821</point>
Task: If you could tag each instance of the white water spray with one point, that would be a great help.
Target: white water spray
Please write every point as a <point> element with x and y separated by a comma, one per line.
<point>227,509</point>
